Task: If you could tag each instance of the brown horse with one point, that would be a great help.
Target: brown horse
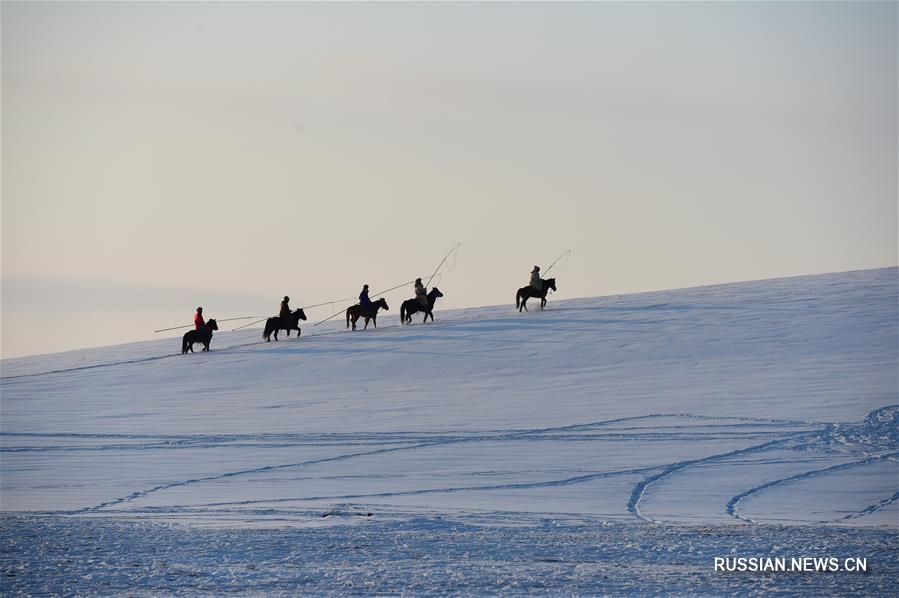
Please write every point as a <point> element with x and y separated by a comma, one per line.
<point>355,312</point>
<point>203,335</point>
<point>525,293</point>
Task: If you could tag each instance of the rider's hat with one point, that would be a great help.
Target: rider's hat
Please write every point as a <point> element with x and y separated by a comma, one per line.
<point>286,298</point>
<point>536,269</point>
<point>365,286</point>
<point>199,309</point>
<point>417,280</point>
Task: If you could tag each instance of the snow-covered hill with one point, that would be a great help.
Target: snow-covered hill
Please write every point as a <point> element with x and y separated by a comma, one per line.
<point>762,402</point>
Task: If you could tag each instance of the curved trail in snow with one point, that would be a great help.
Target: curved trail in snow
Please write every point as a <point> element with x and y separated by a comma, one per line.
<point>734,501</point>
<point>538,434</point>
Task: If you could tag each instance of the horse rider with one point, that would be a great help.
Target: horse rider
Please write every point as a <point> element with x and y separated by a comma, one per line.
<point>421,294</point>
<point>364,301</point>
<point>285,308</point>
<point>536,281</point>
<point>199,322</point>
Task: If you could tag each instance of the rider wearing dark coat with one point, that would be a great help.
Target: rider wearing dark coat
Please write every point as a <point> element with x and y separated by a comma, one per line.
<point>364,301</point>
<point>285,308</point>
<point>421,294</point>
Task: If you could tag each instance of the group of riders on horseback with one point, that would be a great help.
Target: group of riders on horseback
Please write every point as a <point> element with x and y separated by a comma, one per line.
<point>366,308</point>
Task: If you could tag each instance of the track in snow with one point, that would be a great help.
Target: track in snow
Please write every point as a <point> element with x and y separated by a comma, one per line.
<point>758,436</point>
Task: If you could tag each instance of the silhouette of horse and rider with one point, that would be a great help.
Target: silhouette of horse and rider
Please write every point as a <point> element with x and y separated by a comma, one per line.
<point>538,287</point>
<point>202,334</point>
<point>370,312</point>
<point>412,306</point>
<point>285,320</point>
<point>289,322</point>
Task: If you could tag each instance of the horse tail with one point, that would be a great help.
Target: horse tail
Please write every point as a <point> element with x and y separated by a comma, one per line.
<point>348,317</point>
<point>517,297</point>
<point>184,343</point>
<point>403,313</point>
<point>268,329</point>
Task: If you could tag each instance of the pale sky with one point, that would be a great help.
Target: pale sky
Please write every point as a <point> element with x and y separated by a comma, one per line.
<point>160,156</point>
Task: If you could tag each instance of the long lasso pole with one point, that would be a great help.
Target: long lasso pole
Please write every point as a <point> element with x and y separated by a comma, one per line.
<point>455,247</point>
<point>554,263</point>
<point>190,325</point>
<point>250,324</point>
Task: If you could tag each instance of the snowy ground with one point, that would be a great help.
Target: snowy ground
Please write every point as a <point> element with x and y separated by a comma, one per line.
<point>569,450</point>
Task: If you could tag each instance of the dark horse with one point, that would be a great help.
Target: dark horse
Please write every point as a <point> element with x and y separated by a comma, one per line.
<point>291,322</point>
<point>355,312</point>
<point>525,293</point>
<point>412,306</point>
<point>203,335</point>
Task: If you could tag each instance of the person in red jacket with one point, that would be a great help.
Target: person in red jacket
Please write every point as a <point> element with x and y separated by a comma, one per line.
<point>199,322</point>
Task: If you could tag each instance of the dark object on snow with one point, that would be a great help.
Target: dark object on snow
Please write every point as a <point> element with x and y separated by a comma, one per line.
<point>411,306</point>
<point>203,335</point>
<point>525,293</point>
<point>291,322</point>
<point>355,312</point>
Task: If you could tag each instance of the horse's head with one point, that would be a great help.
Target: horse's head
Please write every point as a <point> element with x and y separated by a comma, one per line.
<point>550,283</point>
<point>382,303</point>
<point>435,292</point>
<point>212,324</point>
<point>300,314</point>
